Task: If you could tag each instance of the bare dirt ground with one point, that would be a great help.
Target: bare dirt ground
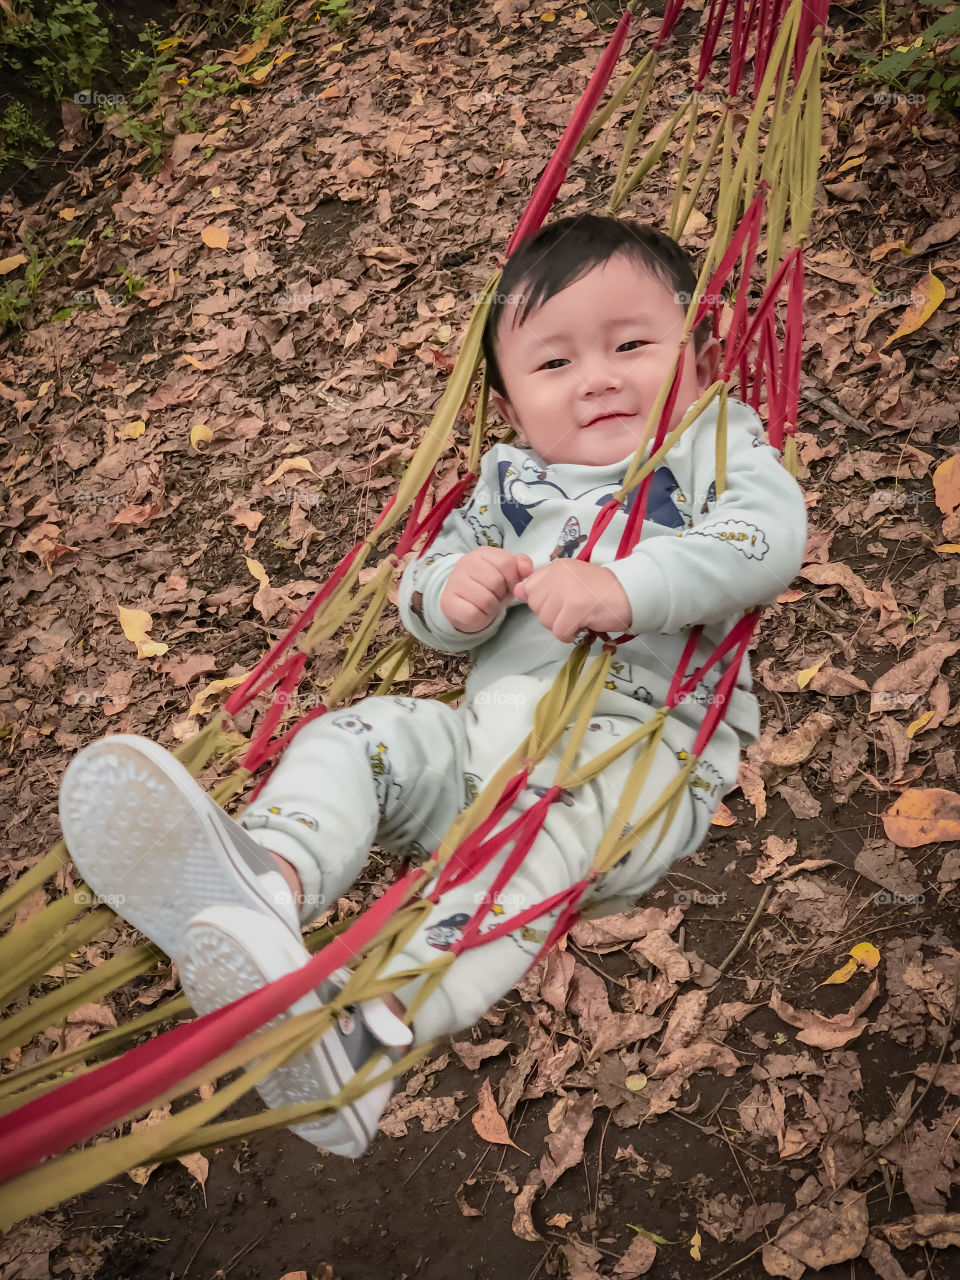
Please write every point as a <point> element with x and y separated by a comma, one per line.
<point>669,1117</point>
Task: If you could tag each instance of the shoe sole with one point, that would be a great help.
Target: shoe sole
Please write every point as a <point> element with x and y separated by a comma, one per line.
<point>146,838</point>
<point>219,965</point>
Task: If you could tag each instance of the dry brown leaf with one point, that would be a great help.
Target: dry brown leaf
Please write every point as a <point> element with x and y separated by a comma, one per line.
<point>215,237</point>
<point>488,1121</point>
<point>819,1237</point>
<point>923,815</point>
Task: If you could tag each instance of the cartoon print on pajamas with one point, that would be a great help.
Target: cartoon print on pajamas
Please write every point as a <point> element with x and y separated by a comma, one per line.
<point>569,541</point>
<point>255,821</point>
<point>350,723</point>
<point>685,506</point>
<point>416,606</point>
<point>471,787</point>
<point>620,678</point>
<point>484,532</point>
<point>745,537</point>
<point>705,784</point>
<point>662,508</point>
<point>523,489</point>
<point>442,936</point>
<point>387,787</point>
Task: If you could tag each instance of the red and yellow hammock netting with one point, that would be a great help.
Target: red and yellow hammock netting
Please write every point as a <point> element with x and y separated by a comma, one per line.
<point>764,144</point>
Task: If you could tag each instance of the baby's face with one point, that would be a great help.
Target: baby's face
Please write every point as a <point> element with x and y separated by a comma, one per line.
<point>602,346</point>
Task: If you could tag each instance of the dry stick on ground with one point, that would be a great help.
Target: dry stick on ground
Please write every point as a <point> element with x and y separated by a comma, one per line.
<point>449,1129</point>
<point>746,933</point>
<point>871,1154</point>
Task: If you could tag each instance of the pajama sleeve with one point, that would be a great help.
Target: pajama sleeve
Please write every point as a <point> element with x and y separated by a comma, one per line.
<point>742,550</point>
<point>477,523</point>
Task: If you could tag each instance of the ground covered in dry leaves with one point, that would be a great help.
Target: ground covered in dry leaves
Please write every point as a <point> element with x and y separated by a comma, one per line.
<point>184,464</point>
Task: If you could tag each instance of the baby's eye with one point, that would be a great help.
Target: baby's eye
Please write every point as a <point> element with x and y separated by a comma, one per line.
<point>634,342</point>
<point>555,360</point>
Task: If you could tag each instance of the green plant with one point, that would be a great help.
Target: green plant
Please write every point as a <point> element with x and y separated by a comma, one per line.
<point>59,46</point>
<point>20,136</point>
<point>16,296</point>
<point>928,69</point>
<point>339,10</point>
<point>134,283</point>
<point>148,64</point>
<point>263,16</point>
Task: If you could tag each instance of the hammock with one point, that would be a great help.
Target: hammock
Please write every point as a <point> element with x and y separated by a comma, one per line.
<point>766,188</point>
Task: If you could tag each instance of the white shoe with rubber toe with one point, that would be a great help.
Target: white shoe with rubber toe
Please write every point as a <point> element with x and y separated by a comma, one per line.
<point>153,844</point>
<point>227,952</point>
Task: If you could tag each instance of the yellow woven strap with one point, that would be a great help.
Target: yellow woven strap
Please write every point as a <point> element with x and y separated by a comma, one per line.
<point>48,1010</point>
<point>685,153</point>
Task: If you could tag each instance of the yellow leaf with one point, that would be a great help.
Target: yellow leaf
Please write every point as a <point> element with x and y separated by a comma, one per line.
<point>199,705</point>
<point>169,43</point>
<point>10,264</point>
<point>290,464</point>
<point>864,954</point>
<point>695,1243</point>
<point>916,725</point>
<point>131,430</point>
<point>136,623</point>
<point>580,14</point>
<point>930,294</point>
<point>68,215</point>
<point>636,1083</point>
<point>867,954</point>
<point>44,387</point>
<point>215,237</point>
<point>141,1173</point>
<point>215,191</point>
<point>842,974</point>
<point>258,571</point>
<point>948,547</point>
<point>246,53</point>
<point>851,164</point>
<point>549,16</point>
<point>200,431</point>
<point>806,675</point>
<point>261,73</point>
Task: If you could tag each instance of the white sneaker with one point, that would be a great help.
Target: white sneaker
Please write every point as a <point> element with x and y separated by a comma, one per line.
<point>156,848</point>
<point>227,952</point>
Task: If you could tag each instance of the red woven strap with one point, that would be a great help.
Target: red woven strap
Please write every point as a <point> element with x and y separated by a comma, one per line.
<point>78,1109</point>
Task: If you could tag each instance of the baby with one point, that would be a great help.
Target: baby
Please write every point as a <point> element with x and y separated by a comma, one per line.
<point>583,332</point>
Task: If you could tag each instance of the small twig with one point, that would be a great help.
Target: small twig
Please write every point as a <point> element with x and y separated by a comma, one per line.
<point>596,969</point>
<point>243,1253</point>
<point>828,610</point>
<point>746,933</point>
<point>197,1250</point>
<point>449,1129</point>
<point>493,1180</point>
<point>596,1203</point>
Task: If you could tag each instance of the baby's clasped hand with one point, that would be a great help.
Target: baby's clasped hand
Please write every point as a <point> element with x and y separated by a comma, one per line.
<point>568,595</point>
<point>479,586</point>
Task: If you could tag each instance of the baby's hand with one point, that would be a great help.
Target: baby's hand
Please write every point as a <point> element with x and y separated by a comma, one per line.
<point>568,595</point>
<point>479,586</point>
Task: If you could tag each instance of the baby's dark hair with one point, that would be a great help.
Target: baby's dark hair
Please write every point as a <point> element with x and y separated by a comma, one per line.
<point>563,251</point>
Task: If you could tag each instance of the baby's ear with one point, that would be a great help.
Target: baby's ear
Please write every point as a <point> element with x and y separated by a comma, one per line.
<point>708,362</point>
<point>508,414</point>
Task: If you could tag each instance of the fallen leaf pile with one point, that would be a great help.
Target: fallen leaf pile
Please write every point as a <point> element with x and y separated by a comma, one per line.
<point>185,462</point>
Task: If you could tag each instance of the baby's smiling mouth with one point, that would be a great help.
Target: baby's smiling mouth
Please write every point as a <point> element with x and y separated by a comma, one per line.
<point>604,416</point>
